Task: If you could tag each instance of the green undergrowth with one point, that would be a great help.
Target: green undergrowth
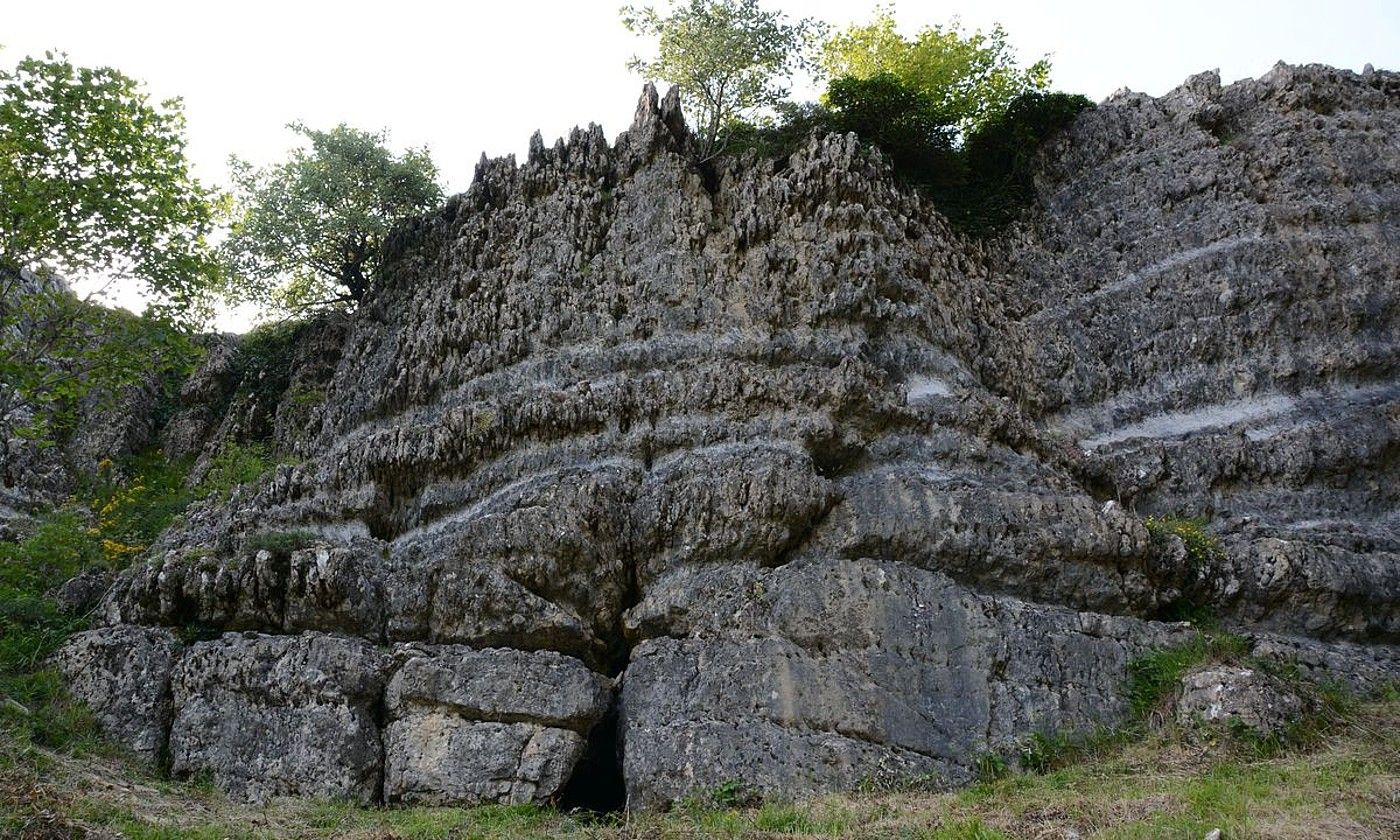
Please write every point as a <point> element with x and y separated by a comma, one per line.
<point>33,707</point>
<point>113,518</point>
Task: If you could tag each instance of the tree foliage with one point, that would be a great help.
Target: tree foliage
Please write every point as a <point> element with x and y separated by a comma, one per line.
<point>94,184</point>
<point>93,178</point>
<point>968,77</point>
<point>308,232</point>
<point>730,58</point>
<point>1000,160</point>
<point>902,121</point>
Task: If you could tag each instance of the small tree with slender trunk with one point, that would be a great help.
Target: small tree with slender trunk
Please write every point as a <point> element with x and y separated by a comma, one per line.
<point>94,184</point>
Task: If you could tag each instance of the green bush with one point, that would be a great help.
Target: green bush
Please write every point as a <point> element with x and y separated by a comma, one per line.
<point>264,360</point>
<point>980,186</point>
<point>1000,161</point>
<point>134,500</point>
<point>779,136</point>
<point>33,706</point>
<point>279,542</point>
<point>235,464</point>
<point>904,123</point>
<point>1202,548</point>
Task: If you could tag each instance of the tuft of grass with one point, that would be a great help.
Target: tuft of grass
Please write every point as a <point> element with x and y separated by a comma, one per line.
<point>1153,677</point>
<point>1202,547</point>
<point>279,542</point>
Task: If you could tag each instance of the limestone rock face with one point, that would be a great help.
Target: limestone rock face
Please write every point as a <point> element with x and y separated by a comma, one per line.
<point>268,715</point>
<point>832,492</point>
<point>1236,696</point>
<point>122,673</point>
<point>1207,306</point>
<point>493,725</point>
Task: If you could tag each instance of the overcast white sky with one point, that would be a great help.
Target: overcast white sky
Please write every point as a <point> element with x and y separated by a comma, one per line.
<point>467,77</point>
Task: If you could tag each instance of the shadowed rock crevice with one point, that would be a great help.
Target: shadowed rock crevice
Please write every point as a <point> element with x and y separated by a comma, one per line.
<point>597,783</point>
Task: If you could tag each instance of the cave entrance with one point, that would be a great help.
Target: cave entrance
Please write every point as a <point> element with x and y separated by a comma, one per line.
<point>597,784</point>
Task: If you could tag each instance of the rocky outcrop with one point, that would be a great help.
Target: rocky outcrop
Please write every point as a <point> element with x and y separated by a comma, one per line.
<point>1208,308</point>
<point>1237,697</point>
<point>832,492</point>
<point>123,675</point>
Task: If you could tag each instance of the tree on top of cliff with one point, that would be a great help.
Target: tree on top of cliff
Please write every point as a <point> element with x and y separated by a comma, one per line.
<point>307,233</point>
<point>730,58</point>
<point>94,184</point>
<point>968,77</point>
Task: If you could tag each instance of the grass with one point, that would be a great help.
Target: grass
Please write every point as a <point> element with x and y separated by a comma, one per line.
<point>33,706</point>
<point>1153,676</point>
<point>114,517</point>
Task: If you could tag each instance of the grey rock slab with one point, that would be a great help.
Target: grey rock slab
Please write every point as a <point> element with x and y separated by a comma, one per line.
<point>474,725</point>
<point>280,715</point>
<point>439,758</point>
<point>123,674</point>
<point>1237,696</point>
<point>893,669</point>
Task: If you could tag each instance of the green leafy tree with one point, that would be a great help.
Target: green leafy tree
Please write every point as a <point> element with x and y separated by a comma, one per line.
<point>730,59</point>
<point>1000,159</point>
<point>307,233</point>
<point>902,121</point>
<point>94,184</point>
<point>969,77</point>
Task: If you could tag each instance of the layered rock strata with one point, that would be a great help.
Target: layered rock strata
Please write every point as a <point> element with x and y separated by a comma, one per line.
<point>760,472</point>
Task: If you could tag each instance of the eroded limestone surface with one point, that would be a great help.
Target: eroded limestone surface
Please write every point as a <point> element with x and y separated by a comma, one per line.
<point>765,474</point>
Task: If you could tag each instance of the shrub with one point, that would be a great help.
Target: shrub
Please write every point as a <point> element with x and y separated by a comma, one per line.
<point>134,501</point>
<point>264,360</point>
<point>902,122</point>
<point>1202,548</point>
<point>33,707</point>
<point>980,186</point>
<point>1000,159</point>
<point>279,542</point>
<point>778,137</point>
<point>234,464</point>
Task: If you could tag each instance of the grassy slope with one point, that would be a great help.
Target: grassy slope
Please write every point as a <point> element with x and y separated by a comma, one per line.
<point>1346,786</point>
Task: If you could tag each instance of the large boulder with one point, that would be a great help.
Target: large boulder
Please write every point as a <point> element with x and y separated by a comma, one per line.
<point>122,674</point>
<point>1238,697</point>
<point>493,725</point>
<point>280,715</point>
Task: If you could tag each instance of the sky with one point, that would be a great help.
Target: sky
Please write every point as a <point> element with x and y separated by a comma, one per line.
<point>468,77</point>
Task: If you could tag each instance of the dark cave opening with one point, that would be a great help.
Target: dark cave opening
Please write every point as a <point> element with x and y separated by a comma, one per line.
<point>597,784</point>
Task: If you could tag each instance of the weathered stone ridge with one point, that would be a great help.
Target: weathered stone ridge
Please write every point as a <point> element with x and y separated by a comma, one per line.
<point>761,472</point>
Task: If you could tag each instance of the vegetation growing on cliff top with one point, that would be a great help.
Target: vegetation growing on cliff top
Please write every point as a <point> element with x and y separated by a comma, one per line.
<point>730,59</point>
<point>956,114</point>
<point>307,233</point>
<point>94,184</point>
